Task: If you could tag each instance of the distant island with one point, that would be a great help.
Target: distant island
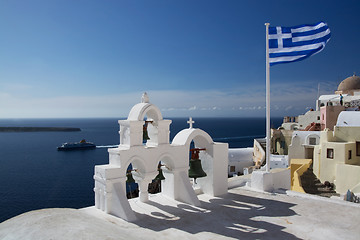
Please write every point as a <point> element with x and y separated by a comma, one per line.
<point>39,129</point>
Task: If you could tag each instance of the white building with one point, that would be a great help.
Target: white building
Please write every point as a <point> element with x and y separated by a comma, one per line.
<point>349,88</point>
<point>240,158</point>
<point>302,144</point>
<point>302,121</point>
<point>337,156</point>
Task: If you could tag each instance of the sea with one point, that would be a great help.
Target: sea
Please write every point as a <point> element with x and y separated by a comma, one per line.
<point>35,175</point>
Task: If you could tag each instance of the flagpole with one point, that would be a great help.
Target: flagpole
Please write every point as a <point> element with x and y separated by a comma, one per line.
<point>268,131</point>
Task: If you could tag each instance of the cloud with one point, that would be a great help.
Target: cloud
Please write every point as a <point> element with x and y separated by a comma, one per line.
<point>288,108</point>
<point>175,103</point>
<point>168,109</point>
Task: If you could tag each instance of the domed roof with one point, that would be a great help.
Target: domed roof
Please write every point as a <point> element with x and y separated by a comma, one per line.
<point>350,83</point>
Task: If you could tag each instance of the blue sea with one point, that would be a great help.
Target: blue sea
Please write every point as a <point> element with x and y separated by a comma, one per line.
<point>34,175</point>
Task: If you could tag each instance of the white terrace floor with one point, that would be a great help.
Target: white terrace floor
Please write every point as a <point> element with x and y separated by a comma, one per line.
<point>241,214</point>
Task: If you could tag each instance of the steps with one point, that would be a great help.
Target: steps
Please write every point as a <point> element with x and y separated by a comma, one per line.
<point>312,185</point>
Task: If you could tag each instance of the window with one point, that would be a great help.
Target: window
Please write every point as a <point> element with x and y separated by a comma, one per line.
<point>357,148</point>
<point>349,155</point>
<point>330,153</point>
<point>318,118</point>
<point>312,141</point>
<point>232,168</point>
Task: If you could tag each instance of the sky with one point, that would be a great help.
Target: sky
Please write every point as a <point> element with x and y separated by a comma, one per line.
<point>199,58</point>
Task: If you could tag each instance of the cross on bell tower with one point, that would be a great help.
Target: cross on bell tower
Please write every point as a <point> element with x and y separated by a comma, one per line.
<point>190,122</point>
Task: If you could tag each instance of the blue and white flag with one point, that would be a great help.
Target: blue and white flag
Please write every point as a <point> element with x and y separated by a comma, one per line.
<point>290,44</point>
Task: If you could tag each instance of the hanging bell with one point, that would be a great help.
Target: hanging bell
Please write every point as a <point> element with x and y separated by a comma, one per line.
<point>160,175</point>
<point>196,170</point>
<point>145,133</point>
<point>130,178</point>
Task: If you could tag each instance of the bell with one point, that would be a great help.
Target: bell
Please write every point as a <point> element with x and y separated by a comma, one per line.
<point>196,170</point>
<point>130,178</point>
<point>160,175</point>
<point>145,133</point>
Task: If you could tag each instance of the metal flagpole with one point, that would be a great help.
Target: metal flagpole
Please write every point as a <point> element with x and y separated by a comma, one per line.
<point>268,132</point>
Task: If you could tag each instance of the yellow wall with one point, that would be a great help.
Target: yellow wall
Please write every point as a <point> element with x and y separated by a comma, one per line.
<point>297,168</point>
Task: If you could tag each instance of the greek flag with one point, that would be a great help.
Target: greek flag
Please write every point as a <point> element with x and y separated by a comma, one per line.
<point>291,44</point>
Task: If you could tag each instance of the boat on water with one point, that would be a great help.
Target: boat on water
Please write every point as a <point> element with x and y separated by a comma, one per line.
<point>83,144</point>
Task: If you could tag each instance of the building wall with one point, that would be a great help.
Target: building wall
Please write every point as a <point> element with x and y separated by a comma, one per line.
<point>346,134</point>
<point>316,160</point>
<point>239,158</point>
<point>328,165</point>
<point>308,118</point>
<point>329,115</point>
<point>301,144</point>
<point>325,100</point>
<point>279,161</point>
<point>290,126</point>
<point>325,137</point>
<point>347,177</point>
<point>300,122</point>
<point>259,153</point>
<point>332,169</point>
<point>280,140</point>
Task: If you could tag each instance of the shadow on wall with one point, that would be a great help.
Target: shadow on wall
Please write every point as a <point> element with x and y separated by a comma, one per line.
<point>229,217</point>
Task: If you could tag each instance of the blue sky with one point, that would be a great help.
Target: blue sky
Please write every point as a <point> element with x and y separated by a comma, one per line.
<point>86,58</point>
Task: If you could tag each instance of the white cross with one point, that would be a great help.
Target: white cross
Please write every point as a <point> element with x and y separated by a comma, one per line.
<point>190,122</point>
<point>279,36</point>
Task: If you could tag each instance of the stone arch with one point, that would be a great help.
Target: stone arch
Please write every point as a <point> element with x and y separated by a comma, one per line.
<point>200,138</point>
<point>143,176</point>
<point>214,160</point>
<point>168,160</point>
<point>176,184</point>
<point>138,112</point>
<point>137,163</point>
<point>308,137</point>
<point>153,114</point>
